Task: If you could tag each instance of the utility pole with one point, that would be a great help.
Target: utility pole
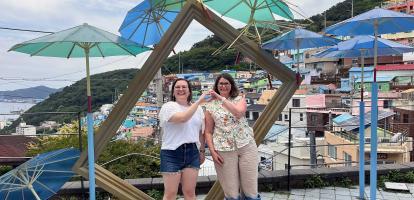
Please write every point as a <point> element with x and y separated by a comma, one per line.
<point>179,62</point>
<point>312,146</point>
<point>158,88</point>
<point>324,22</point>
<point>352,8</point>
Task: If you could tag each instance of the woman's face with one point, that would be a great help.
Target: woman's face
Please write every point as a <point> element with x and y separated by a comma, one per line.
<point>181,90</point>
<point>224,86</point>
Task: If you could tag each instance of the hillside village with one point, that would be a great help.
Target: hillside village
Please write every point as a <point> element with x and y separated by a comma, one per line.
<point>323,111</point>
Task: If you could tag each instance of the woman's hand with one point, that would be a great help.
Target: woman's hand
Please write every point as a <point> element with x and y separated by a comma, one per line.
<point>202,158</point>
<point>217,158</point>
<point>204,98</point>
<point>214,95</point>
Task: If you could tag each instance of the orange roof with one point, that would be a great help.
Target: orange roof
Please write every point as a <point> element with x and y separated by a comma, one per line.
<point>140,103</point>
<point>142,131</point>
<point>301,91</point>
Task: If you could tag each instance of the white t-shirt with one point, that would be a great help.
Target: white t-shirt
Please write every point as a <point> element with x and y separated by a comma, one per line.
<point>176,134</point>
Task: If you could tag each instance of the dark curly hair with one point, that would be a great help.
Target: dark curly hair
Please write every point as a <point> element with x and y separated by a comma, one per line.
<point>234,91</point>
<point>190,96</point>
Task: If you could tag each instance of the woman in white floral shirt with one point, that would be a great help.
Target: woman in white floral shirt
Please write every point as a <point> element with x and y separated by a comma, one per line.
<point>231,141</point>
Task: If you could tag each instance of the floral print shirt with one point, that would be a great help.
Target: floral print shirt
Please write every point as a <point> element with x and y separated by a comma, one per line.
<point>229,133</point>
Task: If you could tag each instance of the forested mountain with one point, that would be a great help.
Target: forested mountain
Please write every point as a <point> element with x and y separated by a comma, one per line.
<point>38,92</point>
<point>73,98</point>
<point>200,58</point>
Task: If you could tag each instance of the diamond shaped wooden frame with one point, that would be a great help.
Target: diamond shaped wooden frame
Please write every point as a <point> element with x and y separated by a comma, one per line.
<point>193,10</point>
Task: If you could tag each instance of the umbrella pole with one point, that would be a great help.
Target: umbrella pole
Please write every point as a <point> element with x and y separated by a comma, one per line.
<point>374,120</point>
<point>297,62</point>
<point>34,192</point>
<point>362,134</point>
<point>91,149</point>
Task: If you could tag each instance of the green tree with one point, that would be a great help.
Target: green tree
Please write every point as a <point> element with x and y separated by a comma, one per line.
<point>141,160</point>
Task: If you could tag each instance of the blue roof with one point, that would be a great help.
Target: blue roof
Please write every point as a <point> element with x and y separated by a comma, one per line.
<point>275,131</point>
<point>228,71</point>
<point>344,89</point>
<point>323,87</point>
<point>379,79</point>
<point>358,69</point>
<point>129,123</point>
<point>342,118</point>
<point>151,108</point>
<point>276,82</point>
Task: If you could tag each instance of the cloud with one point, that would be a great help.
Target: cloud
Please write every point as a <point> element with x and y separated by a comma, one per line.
<point>308,8</point>
<point>56,15</point>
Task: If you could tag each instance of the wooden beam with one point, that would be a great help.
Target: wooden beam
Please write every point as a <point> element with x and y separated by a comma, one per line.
<point>192,10</point>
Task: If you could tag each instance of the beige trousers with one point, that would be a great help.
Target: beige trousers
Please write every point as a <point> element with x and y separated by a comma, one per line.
<point>239,171</point>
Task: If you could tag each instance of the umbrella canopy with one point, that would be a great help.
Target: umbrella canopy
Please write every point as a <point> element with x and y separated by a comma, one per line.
<point>388,22</point>
<point>82,41</point>
<point>248,10</point>
<point>373,22</point>
<point>147,22</point>
<point>299,38</point>
<point>71,43</point>
<point>255,13</point>
<point>40,177</point>
<point>363,45</point>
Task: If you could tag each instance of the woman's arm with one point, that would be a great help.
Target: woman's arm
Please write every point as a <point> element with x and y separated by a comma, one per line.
<point>208,134</point>
<point>237,109</point>
<point>202,148</point>
<point>181,117</point>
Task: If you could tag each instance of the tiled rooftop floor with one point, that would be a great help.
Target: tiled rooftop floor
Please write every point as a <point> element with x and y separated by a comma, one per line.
<point>330,193</point>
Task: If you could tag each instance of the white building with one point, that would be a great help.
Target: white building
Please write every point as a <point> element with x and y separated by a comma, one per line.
<point>207,85</point>
<point>24,129</point>
<point>277,141</point>
<point>106,108</point>
<point>298,104</point>
<point>2,124</point>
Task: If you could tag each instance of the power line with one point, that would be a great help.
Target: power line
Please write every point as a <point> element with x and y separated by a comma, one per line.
<point>24,30</point>
<point>57,80</point>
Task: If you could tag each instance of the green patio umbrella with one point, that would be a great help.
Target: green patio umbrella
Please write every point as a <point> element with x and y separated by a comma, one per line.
<point>257,14</point>
<point>82,41</point>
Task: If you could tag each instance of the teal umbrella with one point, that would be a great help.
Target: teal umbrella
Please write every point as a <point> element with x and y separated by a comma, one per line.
<point>82,41</point>
<point>255,13</point>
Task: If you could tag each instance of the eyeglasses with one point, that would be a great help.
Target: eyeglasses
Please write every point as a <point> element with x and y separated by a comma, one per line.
<point>224,83</point>
<point>180,87</point>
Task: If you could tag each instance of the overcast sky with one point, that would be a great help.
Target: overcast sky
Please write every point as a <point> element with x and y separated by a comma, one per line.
<point>19,70</point>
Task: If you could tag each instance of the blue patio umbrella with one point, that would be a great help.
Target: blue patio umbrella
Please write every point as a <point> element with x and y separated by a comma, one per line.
<point>147,22</point>
<point>373,22</point>
<point>363,46</point>
<point>40,177</point>
<point>299,38</point>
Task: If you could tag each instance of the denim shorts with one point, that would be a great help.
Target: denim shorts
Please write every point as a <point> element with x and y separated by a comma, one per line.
<point>185,156</point>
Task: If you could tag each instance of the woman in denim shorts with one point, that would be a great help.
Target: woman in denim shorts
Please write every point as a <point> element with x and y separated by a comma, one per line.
<point>182,149</point>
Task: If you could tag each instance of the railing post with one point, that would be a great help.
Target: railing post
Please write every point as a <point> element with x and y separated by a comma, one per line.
<point>289,147</point>
<point>80,149</point>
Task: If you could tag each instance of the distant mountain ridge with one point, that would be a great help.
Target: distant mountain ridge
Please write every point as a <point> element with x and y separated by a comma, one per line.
<point>38,92</point>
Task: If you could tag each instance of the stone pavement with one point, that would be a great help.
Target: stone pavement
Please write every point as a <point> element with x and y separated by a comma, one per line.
<point>329,193</point>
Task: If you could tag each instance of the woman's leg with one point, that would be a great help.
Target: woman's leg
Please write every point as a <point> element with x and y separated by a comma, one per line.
<point>228,174</point>
<point>189,182</point>
<point>171,182</point>
<point>248,165</point>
